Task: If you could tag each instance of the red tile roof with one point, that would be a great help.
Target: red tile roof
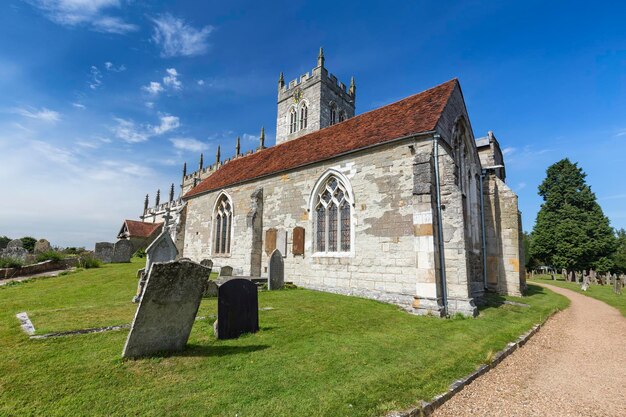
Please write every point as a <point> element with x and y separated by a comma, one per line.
<point>416,114</point>
<point>141,229</point>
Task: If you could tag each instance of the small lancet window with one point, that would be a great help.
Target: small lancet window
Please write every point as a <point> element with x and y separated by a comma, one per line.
<point>304,112</point>
<point>223,218</point>
<point>342,116</point>
<point>333,222</point>
<point>293,120</point>
<point>333,114</point>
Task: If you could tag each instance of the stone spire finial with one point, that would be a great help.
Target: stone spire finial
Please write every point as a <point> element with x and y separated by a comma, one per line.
<point>238,147</point>
<point>184,170</point>
<point>201,161</point>
<point>158,198</point>
<point>352,89</point>
<point>172,193</point>
<point>262,139</point>
<point>145,204</point>
<point>281,80</point>
<point>320,57</point>
<point>217,156</point>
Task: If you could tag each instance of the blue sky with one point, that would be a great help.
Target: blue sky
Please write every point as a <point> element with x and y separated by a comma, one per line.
<point>101,101</point>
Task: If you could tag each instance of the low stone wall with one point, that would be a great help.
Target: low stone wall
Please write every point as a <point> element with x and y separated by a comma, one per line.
<point>38,268</point>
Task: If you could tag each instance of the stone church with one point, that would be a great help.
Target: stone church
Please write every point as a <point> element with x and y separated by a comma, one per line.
<point>400,204</point>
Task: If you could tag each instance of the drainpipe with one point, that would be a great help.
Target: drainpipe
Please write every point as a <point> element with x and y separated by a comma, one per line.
<point>483,174</point>
<point>442,264</point>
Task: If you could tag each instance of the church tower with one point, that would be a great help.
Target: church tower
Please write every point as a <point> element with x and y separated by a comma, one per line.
<point>313,102</point>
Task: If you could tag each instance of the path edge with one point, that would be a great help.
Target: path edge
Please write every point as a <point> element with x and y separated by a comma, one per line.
<point>427,408</point>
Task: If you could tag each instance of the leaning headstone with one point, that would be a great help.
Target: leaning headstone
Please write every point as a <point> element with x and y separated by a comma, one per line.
<point>42,246</point>
<point>276,271</point>
<point>226,271</point>
<point>167,309</point>
<point>162,249</point>
<point>122,251</point>
<point>104,251</point>
<point>237,309</point>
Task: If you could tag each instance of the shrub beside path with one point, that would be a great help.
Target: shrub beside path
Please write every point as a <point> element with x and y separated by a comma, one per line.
<point>574,366</point>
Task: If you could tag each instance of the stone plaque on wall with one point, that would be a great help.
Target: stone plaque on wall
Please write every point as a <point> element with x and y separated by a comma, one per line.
<point>281,241</point>
<point>270,241</point>
<point>298,241</point>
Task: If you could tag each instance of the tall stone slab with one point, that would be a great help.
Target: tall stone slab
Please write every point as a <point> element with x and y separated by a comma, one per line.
<point>270,241</point>
<point>167,310</point>
<point>104,251</point>
<point>281,241</point>
<point>42,246</point>
<point>276,271</point>
<point>162,249</point>
<point>122,251</point>
<point>237,309</point>
<point>297,246</point>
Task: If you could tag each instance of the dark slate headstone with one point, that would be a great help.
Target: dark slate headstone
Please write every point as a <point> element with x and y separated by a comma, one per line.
<point>122,251</point>
<point>226,271</point>
<point>167,309</point>
<point>104,251</point>
<point>237,308</point>
<point>276,271</point>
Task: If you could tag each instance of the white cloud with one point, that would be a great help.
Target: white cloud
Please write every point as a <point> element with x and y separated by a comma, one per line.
<point>200,82</point>
<point>89,13</point>
<point>128,131</point>
<point>171,79</point>
<point>249,137</point>
<point>153,88</point>
<point>43,114</point>
<point>168,122</point>
<point>149,104</point>
<point>110,67</point>
<point>620,133</point>
<point>79,106</point>
<point>189,144</point>
<point>95,78</point>
<point>508,150</point>
<point>176,38</point>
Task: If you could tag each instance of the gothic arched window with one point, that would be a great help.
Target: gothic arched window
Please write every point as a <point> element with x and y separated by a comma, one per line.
<point>333,114</point>
<point>293,120</point>
<point>342,116</point>
<point>223,220</point>
<point>333,222</point>
<point>304,112</point>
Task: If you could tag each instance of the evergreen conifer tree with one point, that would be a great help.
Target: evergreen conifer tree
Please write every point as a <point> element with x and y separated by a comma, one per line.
<point>571,230</point>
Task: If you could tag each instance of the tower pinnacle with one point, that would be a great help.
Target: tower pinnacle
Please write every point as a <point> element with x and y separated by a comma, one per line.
<point>238,147</point>
<point>217,157</point>
<point>262,139</point>
<point>320,57</point>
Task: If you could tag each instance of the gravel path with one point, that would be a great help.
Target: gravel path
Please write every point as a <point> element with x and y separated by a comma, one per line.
<point>574,366</point>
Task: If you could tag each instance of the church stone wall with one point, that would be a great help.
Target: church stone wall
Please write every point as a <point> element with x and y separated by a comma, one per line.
<point>393,257</point>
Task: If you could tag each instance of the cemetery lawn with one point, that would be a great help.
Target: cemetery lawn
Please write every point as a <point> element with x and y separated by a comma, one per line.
<point>599,292</point>
<point>316,353</point>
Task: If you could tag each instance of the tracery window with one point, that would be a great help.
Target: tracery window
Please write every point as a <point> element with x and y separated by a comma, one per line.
<point>304,112</point>
<point>223,219</point>
<point>333,114</point>
<point>333,223</point>
<point>293,120</point>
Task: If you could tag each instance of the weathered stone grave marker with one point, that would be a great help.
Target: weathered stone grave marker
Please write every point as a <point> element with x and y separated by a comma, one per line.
<point>167,309</point>
<point>162,249</point>
<point>270,241</point>
<point>276,271</point>
<point>281,241</point>
<point>122,251</point>
<point>42,246</point>
<point>297,245</point>
<point>237,309</point>
<point>104,251</point>
<point>226,271</point>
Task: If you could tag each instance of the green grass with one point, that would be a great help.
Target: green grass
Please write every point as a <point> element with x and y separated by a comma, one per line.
<point>599,292</point>
<point>316,353</point>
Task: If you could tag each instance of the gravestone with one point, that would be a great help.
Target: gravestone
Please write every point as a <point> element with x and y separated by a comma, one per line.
<point>281,241</point>
<point>42,245</point>
<point>15,250</point>
<point>207,262</point>
<point>162,249</point>
<point>617,286</point>
<point>571,276</point>
<point>270,241</point>
<point>15,243</point>
<point>585,284</point>
<point>297,246</point>
<point>564,274</point>
<point>237,309</point>
<point>167,309</point>
<point>276,271</point>
<point>104,251</point>
<point>122,251</point>
<point>226,271</point>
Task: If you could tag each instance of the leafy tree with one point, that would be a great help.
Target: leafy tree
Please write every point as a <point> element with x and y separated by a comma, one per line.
<point>29,243</point>
<point>529,261</point>
<point>619,258</point>
<point>571,230</point>
<point>4,241</point>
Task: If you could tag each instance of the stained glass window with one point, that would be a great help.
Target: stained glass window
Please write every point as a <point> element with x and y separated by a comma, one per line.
<point>333,217</point>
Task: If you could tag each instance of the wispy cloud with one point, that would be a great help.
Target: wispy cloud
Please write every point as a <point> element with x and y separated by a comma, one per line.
<point>95,77</point>
<point>508,150</point>
<point>171,79</point>
<point>131,132</point>
<point>176,38</point>
<point>110,67</point>
<point>189,144</point>
<point>79,106</point>
<point>93,14</point>
<point>42,114</point>
<point>614,197</point>
<point>153,88</point>
<point>249,137</point>
<point>621,133</point>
